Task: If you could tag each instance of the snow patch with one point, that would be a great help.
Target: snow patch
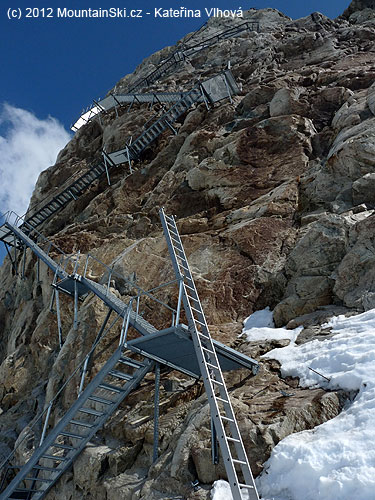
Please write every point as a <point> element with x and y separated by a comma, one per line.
<point>260,326</point>
<point>337,458</point>
<point>221,491</point>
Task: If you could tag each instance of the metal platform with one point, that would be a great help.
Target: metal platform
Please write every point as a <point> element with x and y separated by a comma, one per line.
<point>175,346</point>
<point>70,283</point>
<point>182,53</point>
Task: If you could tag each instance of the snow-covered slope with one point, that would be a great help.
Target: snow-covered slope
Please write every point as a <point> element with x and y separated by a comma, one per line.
<point>336,460</point>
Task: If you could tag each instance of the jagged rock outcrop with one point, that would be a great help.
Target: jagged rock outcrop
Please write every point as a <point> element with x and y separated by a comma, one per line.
<point>274,198</point>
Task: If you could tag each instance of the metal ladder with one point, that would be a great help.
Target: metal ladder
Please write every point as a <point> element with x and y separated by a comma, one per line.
<point>57,451</point>
<point>228,434</point>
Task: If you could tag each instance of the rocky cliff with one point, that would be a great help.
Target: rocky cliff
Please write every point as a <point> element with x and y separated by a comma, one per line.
<point>274,195</point>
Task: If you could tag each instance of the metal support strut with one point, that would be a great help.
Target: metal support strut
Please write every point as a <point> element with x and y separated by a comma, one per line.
<point>156,412</point>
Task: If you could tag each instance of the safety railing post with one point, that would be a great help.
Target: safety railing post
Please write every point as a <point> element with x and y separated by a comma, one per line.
<point>109,281</point>
<point>156,413</point>
<point>86,265</point>
<point>83,376</point>
<point>178,311</point>
<point>45,424</point>
<point>125,324</point>
<point>75,321</point>
<point>59,328</point>
<point>137,306</point>
<point>76,262</point>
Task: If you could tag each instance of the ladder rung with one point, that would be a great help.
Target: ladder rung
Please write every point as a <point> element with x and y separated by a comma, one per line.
<point>200,322</point>
<point>101,400</point>
<point>241,462</point>
<point>42,479</point>
<point>192,298</point>
<point>89,411</point>
<point>208,350</point>
<point>53,457</point>
<point>49,469</point>
<point>197,310</point>
<point>71,435</point>
<point>222,401</point>
<point>62,446</point>
<point>176,241</point>
<point>203,335</point>
<point>183,267</point>
<point>246,486</point>
<point>82,424</point>
<point>216,381</point>
<point>24,490</point>
<point>226,418</point>
<point>122,376</point>
<point>109,387</point>
<point>130,362</point>
<point>215,368</point>
<point>188,286</point>
<point>234,440</point>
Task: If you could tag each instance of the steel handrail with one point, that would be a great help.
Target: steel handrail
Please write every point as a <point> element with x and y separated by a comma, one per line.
<point>54,398</point>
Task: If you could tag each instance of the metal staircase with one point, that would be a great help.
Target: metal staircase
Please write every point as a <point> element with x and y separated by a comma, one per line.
<point>59,447</point>
<point>187,50</point>
<point>72,192</point>
<point>210,91</point>
<point>133,151</point>
<point>228,434</point>
<point>118,377</point>
<point>181,54</point>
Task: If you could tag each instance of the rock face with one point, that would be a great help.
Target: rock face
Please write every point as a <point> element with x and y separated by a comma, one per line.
<point>275,203</point>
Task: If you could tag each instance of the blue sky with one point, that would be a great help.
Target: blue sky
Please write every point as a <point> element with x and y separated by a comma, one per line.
<point>52,68</point>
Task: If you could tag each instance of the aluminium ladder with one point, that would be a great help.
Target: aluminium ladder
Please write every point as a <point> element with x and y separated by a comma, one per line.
<point>228,434</point>
<point>119,376</point>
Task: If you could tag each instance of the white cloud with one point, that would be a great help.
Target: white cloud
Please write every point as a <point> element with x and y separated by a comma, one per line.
<point>28,146</point>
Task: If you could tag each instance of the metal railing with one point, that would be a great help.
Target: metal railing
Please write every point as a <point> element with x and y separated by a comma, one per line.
<point>183,51</point>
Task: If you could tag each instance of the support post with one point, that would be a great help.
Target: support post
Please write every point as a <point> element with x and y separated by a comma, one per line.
<point>86,366</point>
<point>178,312</point>
<point>15,254</point>
<point>228,89</point>
<point>108,282</point>
<point>125,324</point>
<point>11,260</point>
<point>106,167</point>
<point>23,262</point>
<point>75,321</point>
<point>129,161</point>
<point>137,308</point>
<point>170,126</point>
<point>83,376</point>
<point>52,299</point>
<point>45,424</point>
<point>130,107</point>
<point>156,412</point>
<point>86,265</point>
<point>204,97</point>
<point>59,329</point>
